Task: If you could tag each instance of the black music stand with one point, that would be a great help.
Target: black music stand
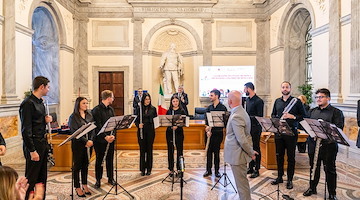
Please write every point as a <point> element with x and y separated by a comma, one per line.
<point>323,130</point>
<point>278,127</point>
<point>77,134</point>
<point>113,124</point>
<point>170,121</point>
<point>219,119</point>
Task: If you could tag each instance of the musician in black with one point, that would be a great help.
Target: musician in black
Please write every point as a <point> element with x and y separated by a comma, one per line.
<point>81,148</point>
<point>328,149</point>
<point>184,101</point>
<point>175,109</point>
<point>2,147</point>
<point>254,107</point>
<point>101,114</point>
<point>33,128</point>
<point>215,134</point>
<point>285,142</point>
<point>137,99</point>
<point>146,142</point>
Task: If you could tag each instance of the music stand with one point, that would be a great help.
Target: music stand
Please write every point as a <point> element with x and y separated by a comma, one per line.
<point>77,134</point>
<point>280,127</point>
<point>170,121</point>
<point>219,119</point>
<point>113,124</point>
<point>322,130</point>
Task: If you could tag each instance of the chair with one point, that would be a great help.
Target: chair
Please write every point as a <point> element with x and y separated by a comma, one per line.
<point>200,113</point>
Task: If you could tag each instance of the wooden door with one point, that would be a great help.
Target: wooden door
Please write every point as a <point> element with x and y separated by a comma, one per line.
<point>113,81</point>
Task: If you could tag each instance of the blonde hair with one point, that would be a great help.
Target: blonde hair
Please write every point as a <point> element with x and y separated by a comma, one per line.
<point>8,177</point>
<point>303,99</point>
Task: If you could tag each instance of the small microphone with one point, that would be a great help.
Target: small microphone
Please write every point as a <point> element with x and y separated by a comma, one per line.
<point>182,164</point>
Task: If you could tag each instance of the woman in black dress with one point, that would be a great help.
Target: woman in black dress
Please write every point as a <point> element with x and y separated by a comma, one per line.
<point>146,133</point>
<point>81,147</point>
<point>175,109</point>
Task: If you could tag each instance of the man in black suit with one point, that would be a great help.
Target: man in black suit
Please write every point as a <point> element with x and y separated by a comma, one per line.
<point>184,101</point>
<point>137,99</point>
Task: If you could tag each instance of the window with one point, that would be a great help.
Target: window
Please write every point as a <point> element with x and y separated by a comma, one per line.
<point>308,55</point>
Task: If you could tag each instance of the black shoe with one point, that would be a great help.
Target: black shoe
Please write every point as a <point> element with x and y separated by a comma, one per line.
<point>277,181</point>
<point>112,182</point>
<point>207,173</point>
<point>83,195</point>
<point>309,192</point>
<point>97,184</point>
<point>332,197</point>
<point>142,173</point>
<point>250,171</point>
<point>289,185</point>
<point>217,174</point>
<point>148,173</point>
<point>255,174</point>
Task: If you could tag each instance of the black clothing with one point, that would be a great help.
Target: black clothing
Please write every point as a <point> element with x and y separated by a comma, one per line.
<point>33,129</point>
<point>328,149</point>
<point>101,114</point>
<point>358,122</point>
<point>148,130</point>
<point>302,145</point>
<point>255,107</point>
<point>184,103</point>
<point>179,141</point>
<point>283,142</point>
<point>80,154</point>
<point>216,138</point>
<point>136,101</point>
<point>2,142</point>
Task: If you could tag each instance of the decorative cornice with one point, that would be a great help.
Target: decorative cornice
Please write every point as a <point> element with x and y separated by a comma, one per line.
<point>67,48</point>
<point>211,20</point>
<point>110,52</point>
<point>184,54</point>
<point>320,30</point>
<point>136,19</point>
<point>345,20</point>
<point>276,49</point>
<point>234,53</point>
<point>24,30</point>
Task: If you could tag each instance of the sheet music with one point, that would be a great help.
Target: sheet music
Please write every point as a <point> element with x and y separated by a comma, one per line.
<point>81,129</point>
<point>266,124</point>
<point>210,119</point>
<point>307,128</point>
<point>156,122</point>
<point>88,129</point>
<point>110,124</point>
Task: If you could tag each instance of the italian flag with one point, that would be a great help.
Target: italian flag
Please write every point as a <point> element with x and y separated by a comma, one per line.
<point>161,104</point>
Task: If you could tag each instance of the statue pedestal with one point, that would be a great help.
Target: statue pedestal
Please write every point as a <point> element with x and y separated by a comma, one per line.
<point>167,98</point>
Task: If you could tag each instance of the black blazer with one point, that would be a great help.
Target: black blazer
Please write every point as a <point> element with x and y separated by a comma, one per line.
<point>2,141</point>
<point>75,122</point>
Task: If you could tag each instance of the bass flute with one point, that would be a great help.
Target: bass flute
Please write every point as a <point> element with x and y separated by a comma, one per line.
<point>50,156</point>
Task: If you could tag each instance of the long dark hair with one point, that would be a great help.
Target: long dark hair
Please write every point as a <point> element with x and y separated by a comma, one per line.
<point>77,105</point>
<point>175,96</point>
<point>143,99</point>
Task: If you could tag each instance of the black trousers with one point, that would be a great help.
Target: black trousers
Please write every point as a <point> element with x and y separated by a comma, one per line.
<point>327,154</point>
<point>214,148</point>
<point>146,147</point>
<point>287,143</point>
<point>179,142</point>
<point>255,135</point>
<point>100,149</point>
<point>81,163</point>
<point>36,171</point>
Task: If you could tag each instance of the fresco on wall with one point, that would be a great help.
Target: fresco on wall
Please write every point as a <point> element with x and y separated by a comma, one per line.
<point>45,51</point>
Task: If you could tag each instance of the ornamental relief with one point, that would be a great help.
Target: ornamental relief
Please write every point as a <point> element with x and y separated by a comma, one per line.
<point>321,4</point>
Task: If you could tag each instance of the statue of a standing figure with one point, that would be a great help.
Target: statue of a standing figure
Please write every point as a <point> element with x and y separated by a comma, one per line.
<point>171,65</point>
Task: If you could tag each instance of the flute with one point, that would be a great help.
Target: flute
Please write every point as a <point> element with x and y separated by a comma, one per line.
<point>208,141</point>
<point>316,155</point>
<point>106,152</point>
<point>141,129</point>
<point>50,157</point>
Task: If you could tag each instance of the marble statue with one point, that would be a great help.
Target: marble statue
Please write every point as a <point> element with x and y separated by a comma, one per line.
<point>171,65</point>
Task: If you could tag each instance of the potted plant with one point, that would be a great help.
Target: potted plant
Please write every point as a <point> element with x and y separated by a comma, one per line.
<point>306,89</point>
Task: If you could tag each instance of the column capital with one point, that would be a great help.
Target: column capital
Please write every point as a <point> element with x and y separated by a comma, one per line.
<point>207,20</point>
<point>137,19</point>
<point>81,17</point>
<point>262,20</point>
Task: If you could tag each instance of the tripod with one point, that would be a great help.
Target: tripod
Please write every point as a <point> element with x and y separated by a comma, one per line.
<point>226,178</point>
<point>116,175</point>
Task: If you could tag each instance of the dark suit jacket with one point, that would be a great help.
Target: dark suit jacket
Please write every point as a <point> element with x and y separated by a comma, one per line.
<point>358,121</point>
<point>136,101</point>
<point>2,141</point>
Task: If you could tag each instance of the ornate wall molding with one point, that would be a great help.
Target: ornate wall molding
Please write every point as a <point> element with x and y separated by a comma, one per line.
<point>24,30</point>
<point>320,30</point>
<point>110,52</point>
<point>276,49</point>
<point>345,20</point>
<point>226,30</point>
<point>102,29</point>
<point>67,48</point>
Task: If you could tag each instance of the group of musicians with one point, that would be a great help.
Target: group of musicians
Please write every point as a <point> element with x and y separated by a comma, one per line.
<point>34,119</point>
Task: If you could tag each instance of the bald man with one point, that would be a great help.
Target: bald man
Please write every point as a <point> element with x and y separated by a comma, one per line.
<point>238,150</point>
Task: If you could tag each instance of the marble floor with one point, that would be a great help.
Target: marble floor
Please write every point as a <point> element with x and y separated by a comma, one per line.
<point>197,187</point>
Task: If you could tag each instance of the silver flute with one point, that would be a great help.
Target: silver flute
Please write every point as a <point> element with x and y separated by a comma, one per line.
<point>141,129</point>
<point>88,148</point>
<point>316,155</point>
<point>106,151</point>
<point>50,156</point>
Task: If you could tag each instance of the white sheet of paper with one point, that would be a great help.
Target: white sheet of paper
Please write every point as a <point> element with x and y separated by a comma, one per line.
<point>209,118</point>
<point>156,122</point>
<point>187,122</point>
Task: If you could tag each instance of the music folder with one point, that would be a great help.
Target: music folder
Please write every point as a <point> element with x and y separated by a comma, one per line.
<point>171,120</point>
<point>324,130</point>
<point>217,118</point>
<point>80,132</point>
<point>275,125</point>
<point>118,123</point>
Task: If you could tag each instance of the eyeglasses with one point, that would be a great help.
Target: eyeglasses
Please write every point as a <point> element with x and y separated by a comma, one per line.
<point>320,97</point>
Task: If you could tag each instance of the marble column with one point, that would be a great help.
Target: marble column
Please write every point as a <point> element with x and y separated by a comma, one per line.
<point>9,95</point>
<point>335,51</point>
<point>262,69</point>
<point>355,50</point>
<point>138,56</point>
<point>207,37</point>
<point>81,55</point>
